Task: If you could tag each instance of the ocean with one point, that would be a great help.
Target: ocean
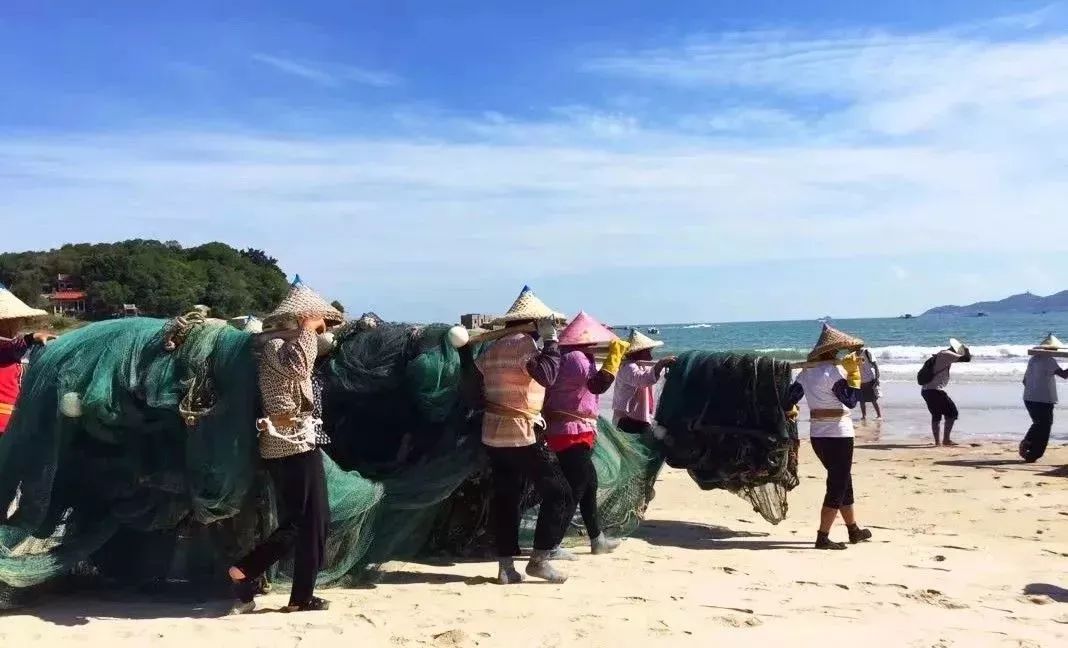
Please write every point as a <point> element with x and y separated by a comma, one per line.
<point>999,343</point>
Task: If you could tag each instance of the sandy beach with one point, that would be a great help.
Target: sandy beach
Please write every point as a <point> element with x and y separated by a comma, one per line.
<point>970,549</point>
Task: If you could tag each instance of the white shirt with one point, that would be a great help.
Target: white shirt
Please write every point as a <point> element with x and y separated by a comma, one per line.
<point>818,383</point>
<point>943,361</point>
<point>867,371</point>
<point>1040,380</point>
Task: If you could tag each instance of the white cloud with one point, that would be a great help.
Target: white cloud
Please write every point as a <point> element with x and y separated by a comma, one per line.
<point>925,144</point>
<point>331,76</point>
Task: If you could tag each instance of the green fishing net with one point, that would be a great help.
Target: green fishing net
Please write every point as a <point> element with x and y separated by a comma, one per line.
<point>157,479</point>
<point>725,424</point>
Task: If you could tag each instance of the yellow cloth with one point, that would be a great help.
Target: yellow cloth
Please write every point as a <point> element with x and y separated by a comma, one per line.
<point>792,413</point>
<point>851,364</point>
<point>616,350</point>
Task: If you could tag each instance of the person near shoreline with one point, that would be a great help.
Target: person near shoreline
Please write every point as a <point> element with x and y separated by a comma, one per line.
<point>14,314</point>
<point>1040,397</point>
<point>869,385</point>
<point>939,404</point>
<point>831,392</point>
<point>288,443</point>
<point>515,374</point>
<point>633,401</point>
<point>572,405</point>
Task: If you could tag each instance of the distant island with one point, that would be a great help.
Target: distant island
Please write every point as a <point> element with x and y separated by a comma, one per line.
<point>1022,303</point>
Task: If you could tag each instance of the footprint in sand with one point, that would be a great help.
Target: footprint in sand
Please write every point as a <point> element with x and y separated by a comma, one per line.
<point>935,598</point>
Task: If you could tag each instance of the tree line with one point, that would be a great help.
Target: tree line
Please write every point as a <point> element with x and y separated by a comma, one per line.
<point>162,278</point>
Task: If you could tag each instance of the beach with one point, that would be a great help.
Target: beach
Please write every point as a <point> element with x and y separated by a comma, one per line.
<point>970,549</point>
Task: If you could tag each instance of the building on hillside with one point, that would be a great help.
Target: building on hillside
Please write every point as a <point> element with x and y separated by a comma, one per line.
<point>476,320</point>
<point>130,310</point>
<point>66,296</point>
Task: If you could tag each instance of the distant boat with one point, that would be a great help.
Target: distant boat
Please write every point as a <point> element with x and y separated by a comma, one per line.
<point>907,316</point>
<point>825,318</point>
<point>654,331</point>
<point>980,314</point>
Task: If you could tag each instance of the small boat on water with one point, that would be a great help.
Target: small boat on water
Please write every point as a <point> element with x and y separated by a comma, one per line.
<point>653,330</point>
<point>907,316</point>
<point>980,314</point>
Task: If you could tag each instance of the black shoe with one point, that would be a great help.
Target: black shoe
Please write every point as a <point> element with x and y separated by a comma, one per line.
<point>316,604</point>
<point>858,534</point>
<point>823,542</point>
<point>245,590</point>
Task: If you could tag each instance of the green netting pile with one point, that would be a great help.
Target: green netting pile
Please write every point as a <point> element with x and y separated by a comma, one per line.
<point>131,490</point>
<point>725,424</point>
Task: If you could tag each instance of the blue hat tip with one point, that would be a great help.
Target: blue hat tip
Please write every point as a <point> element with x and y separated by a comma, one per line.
<point>297,281</point>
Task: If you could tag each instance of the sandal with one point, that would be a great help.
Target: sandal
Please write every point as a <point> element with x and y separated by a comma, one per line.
<point>316,604</point>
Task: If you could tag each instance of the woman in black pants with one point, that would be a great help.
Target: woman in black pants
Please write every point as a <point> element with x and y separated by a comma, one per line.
<point>832,391</point>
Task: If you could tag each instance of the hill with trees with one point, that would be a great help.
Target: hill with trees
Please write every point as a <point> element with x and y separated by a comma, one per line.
<point>162,279</point>
<point>1022,303</point>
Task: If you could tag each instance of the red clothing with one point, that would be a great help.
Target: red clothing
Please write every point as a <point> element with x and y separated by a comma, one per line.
<point>11,352</point>
<point>563,442</point>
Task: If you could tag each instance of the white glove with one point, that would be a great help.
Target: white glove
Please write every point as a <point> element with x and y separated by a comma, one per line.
<point>547,331</point>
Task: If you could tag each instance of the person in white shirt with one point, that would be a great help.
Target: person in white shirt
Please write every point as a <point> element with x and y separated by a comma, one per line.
<point>1040,395</point>
<point>939,404</point>
<point>831,392</point>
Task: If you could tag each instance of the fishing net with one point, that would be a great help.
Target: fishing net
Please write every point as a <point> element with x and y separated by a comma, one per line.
<point>151,475</point>
<point>725,425</point>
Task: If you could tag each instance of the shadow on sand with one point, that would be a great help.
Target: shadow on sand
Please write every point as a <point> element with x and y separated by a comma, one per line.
<point>1055,592</point>
<point>687,535</point>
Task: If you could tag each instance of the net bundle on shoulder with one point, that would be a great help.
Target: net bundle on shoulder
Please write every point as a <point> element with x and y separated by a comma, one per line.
<point>155,476</point>
<point>725,424</point>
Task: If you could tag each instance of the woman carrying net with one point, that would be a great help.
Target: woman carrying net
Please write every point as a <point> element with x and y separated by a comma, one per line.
<point>831,392</point>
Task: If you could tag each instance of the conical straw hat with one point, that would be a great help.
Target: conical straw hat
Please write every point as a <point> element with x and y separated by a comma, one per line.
<point>302,301</point>
<point>11,307</point>
<point>641,342</point>
<point>831,339</point>
<point>528,307</point>
<point>584,329</point>
<point>1051,343</point>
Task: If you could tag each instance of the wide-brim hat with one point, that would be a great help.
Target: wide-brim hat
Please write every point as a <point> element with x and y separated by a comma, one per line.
<point>1051,343</point>
<point>831,339</point>
<point>956,345</point>
<point>301,302</point>
<point>639,341</point>
<point>528,307</point>
<point>583,330</point>
<point>11,307</point>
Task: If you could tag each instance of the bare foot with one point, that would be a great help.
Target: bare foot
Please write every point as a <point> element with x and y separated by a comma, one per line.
<point>947,442</point>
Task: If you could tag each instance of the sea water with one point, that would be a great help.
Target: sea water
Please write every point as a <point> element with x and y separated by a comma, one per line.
<point>998,343</point>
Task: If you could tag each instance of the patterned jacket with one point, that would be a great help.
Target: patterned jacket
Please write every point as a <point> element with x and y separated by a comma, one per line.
<point>285,376</point>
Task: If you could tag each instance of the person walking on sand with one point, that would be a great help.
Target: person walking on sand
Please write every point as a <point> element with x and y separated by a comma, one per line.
<point>572,405</point>
<point>1040,396</point>
<point>633,401</point>
<point>831,392</point>
<point>288,444</point>
<point>515,374</point>
<point>934,376</point>
<point>869,385</point>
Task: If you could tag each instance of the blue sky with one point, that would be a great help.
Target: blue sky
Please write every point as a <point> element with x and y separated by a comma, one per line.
<point>646,161</point>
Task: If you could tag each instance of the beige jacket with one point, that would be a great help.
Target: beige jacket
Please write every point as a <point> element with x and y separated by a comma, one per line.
<point>285,370</point>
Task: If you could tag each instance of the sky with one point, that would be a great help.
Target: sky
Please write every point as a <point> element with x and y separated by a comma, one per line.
<point>645,161</point>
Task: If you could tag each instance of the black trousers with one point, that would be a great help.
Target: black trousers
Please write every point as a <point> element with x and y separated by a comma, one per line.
<point>303,522</point>
<point>512,469</point>
<point>939,404</point>
<point>634,426</point>
<point>836,455</point>
<point>577,464</point>
<point>1034,444</point>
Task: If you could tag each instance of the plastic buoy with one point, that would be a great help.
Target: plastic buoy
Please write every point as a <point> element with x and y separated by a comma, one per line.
<point>70,405</point>
<point>458,336</point>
